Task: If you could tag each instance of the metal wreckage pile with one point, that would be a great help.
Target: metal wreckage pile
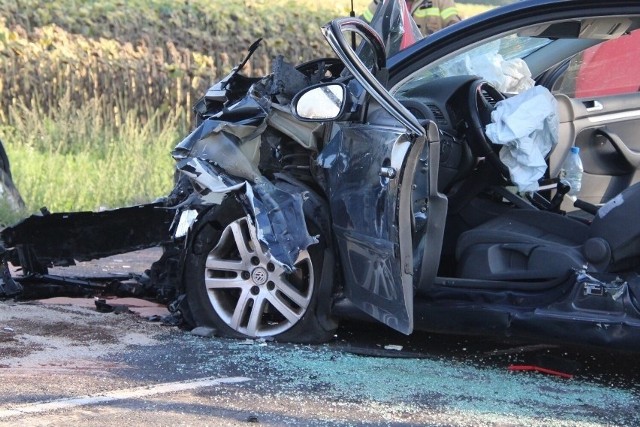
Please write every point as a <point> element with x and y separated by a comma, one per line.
<point>62,239</point>
<point>212,166</point>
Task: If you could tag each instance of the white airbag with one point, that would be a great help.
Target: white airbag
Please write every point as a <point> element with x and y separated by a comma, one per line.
<point>527,126</point>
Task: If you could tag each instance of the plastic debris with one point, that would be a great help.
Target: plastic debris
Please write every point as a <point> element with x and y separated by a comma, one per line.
<point>393,347</point>
<point>541,370</point>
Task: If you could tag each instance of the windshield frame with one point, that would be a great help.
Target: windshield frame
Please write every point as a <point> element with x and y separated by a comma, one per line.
<point>498,22</point>
<point>445,66</point>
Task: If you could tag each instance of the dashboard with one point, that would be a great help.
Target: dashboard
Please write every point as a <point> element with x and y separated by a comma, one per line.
<point>445,101</point>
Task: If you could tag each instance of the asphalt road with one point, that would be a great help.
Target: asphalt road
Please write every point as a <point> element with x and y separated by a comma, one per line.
<point>71,365</point>
<point>65,365</point>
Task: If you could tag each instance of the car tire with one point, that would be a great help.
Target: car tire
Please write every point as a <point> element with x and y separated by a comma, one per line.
<point>233,284</point>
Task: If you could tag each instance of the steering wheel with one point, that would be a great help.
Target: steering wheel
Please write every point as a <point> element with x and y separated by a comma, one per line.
<point>481,100</point>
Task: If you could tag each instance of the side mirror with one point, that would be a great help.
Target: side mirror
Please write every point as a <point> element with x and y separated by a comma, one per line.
<point>326,101</point>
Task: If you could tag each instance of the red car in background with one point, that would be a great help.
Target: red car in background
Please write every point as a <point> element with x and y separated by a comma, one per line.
<point>609,68</point>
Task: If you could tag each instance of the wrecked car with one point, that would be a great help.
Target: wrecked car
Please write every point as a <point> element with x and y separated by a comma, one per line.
<point>418,183</point>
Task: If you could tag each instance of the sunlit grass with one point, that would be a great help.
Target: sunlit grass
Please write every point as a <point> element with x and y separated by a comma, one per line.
<point>71,160</point>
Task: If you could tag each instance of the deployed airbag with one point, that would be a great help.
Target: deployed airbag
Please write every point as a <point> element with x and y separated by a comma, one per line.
<point>527,126</point>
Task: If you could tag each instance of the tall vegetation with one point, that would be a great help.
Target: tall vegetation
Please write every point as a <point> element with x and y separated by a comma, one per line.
<point>72,159</point>
<point>95,93</point>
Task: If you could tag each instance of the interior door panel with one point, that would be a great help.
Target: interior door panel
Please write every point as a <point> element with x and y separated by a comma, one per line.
<point>599,102</point>
<point>607,131</point>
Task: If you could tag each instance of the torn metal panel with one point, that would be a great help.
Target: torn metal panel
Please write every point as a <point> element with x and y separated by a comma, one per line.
<point>307,134</point>
<point>221,157</point>
<point>279,221</point>
<point>233,147</point>
<point>212,186</point>
<point>274,210</point>
<point>60,238</point>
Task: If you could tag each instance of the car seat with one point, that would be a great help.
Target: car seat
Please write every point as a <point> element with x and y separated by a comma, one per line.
<point>539,245</point>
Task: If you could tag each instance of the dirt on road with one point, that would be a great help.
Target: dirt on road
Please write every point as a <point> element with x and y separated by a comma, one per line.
<point>72,365</point>
<point>62,362</point>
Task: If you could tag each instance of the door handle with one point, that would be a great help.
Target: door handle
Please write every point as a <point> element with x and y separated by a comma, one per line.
<point>632,157</point>
<point>593,105</point>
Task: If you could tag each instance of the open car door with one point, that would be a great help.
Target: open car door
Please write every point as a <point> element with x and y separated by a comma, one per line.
<point>370,211</point>
<point>370,174</point>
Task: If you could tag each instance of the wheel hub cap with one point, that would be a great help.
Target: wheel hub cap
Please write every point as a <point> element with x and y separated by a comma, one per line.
<point>259,276</point>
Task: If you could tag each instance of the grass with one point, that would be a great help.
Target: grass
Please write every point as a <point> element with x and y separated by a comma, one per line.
<point>71,160</point>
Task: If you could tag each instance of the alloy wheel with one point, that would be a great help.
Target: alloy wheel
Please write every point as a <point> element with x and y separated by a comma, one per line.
<point>249,290</point>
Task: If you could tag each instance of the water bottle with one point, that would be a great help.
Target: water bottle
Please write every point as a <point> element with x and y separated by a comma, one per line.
<point>572,171</point>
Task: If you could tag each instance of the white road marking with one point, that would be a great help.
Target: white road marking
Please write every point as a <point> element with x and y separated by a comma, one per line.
<point>128,393</point>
